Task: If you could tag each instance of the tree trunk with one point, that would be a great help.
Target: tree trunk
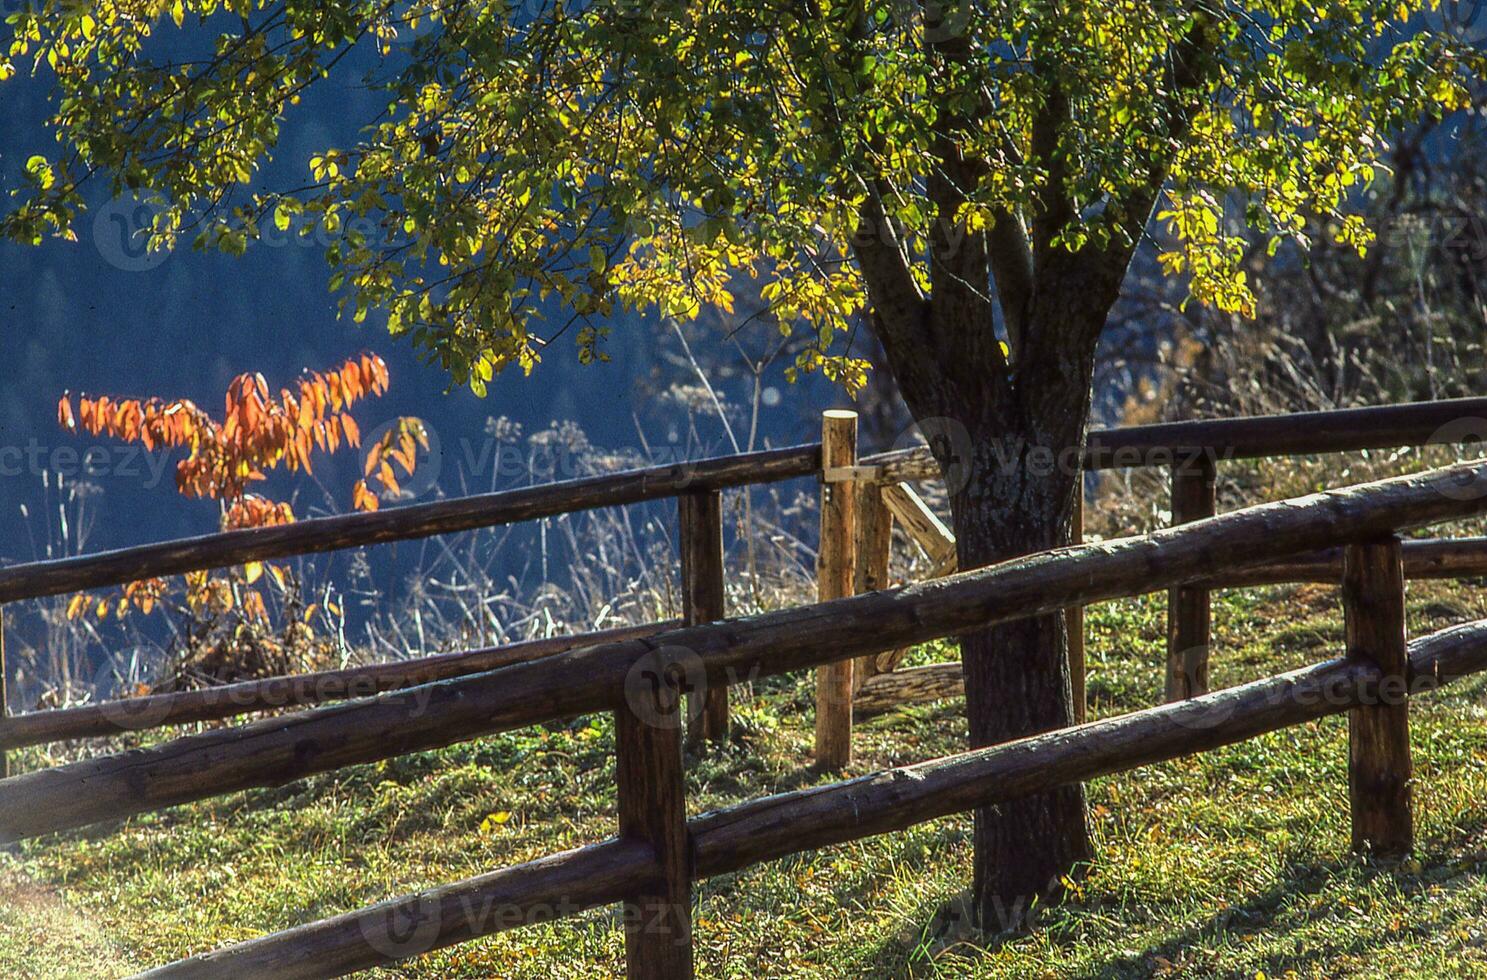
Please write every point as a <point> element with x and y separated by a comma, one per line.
<point>1007,424</point>
<point>1018,498</point>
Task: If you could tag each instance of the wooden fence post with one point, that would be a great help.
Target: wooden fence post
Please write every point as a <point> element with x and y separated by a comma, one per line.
<point>1379,768</point>
<point>1188,611</point>
<point>874,545</point>
<point>653,808</point>
<point>704,596</point>
<point>835,575</point>
<point>1074,618</point>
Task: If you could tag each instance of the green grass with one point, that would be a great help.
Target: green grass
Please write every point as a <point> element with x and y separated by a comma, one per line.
<point>1232,864</point>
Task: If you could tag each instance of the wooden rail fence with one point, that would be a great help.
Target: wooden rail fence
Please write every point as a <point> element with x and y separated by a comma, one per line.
<point>1191,451</point>
<point>645,676</point>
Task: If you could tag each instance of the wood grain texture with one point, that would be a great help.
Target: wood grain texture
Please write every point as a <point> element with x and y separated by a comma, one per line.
<point>107,718</point>
<point>874,549</point>
<point>835,579</point>
<point>1189,607</point>
<point>402,523</point>
<point>739,836</point>
<point>1074,623</point>
<point>411,925</point>
<point>1446,421</point>
<point>279,750</point>
<point>1379,767</point>
<point>1423,559</point>
<point>651,787</point>
<point>913,685</point>
<point>704,593</point>
<point>728,839</point>
<point>921,523</point>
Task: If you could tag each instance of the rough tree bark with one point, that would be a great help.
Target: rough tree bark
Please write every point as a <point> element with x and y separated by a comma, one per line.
<point>1009,444</point>
<point>1007,424</point>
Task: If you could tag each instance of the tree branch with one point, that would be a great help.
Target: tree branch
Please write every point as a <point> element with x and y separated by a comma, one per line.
<point>1011,255</point>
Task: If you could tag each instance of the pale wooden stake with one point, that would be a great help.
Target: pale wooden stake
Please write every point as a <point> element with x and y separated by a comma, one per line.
<point>835,575</point>
<point>1379,767</point>
<point>704,596</point>
<point>922,524</point>
<point>874,541</point>
<point>1188,609</point>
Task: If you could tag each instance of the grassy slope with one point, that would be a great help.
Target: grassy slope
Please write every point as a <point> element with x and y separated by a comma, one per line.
<point>1233,864</point>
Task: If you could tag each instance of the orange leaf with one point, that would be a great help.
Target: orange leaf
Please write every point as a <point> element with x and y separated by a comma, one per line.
<point>351,381</point>
<point>362,498</point>
<point>388,478</point>
<point>353,433</point>
<point>64,413</point>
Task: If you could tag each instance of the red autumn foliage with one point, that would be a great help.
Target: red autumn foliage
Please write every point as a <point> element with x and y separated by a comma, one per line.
<point>258,432</point>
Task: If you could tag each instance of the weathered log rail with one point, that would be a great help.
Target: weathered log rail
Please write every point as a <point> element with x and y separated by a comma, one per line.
<point>1391,426</point>
<point>38,579</point>
<point>736,837</point>
<point>1192,451</point>
<point>1451,421</point>
<point>280,749</point>
<point>106,718</point>
<point>641,675</point>
<point>1423,559</point>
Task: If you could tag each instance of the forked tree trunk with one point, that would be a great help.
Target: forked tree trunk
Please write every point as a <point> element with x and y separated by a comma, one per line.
<point>1016,675</point>
<point>1007,425</point>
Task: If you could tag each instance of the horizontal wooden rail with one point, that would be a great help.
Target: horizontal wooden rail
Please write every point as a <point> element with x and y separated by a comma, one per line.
<point>245,697</point>
<point>1448,558</point>
<point>736,837</point>
<point>1449,422</point>
<point>525,894</point>
<point>280,749</point>
<point>1385,426</point>
<point>108,568</point>
<point>1423,559</point>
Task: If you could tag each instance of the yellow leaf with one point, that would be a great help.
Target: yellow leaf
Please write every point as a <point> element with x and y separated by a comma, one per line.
<point>253,571</point>
<point>178,12</point>
<point>495,820</point>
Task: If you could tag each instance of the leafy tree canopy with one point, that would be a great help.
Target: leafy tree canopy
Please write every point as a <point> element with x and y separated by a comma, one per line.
<point>682,156</point>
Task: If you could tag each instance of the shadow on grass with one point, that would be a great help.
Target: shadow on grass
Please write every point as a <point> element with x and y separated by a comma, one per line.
<point>1296,900</point>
